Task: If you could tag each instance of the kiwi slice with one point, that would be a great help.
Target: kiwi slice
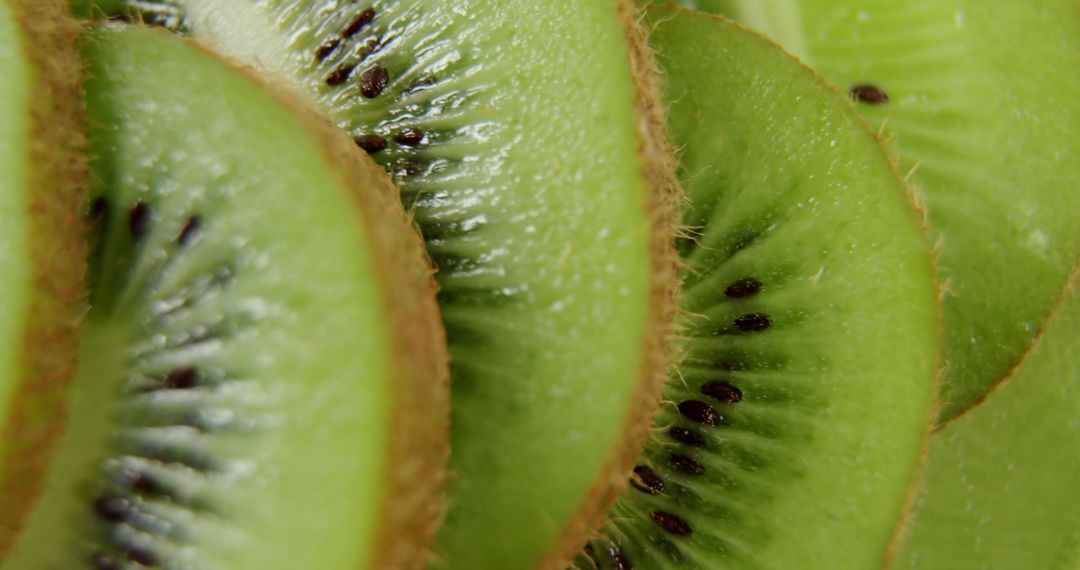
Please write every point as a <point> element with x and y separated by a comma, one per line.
<point>978,100</point>
<point>261,381</point>
<point>527,155</point>
<point>791,432</point>
<point>1000,485</point>
<point>42,259</point>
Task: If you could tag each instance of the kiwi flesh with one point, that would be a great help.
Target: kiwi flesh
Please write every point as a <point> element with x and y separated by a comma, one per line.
<point>527,156</point>
<point>42,259</point>
<point>790,434</point>
<point>262,379</point>
<point>1000,484</point>
<point>976,103</point>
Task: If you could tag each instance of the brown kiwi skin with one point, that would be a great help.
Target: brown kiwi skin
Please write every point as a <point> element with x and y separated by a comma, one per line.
<point>57,196</point>
<point>662,201</point>
<point>412,497</point>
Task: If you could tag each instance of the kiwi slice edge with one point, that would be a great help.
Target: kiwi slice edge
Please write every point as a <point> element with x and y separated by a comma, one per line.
<point>997,488</point>
<point>43,240</point>
<point>659,172</point>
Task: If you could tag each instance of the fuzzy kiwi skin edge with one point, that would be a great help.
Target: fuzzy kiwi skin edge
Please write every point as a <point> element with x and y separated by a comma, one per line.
<point>658,168</point>
<point>55,197</point>
<point>420,442</point>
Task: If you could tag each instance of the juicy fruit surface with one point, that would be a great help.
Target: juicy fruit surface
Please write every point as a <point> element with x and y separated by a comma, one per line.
<point>232,402</point>
<point>792,429</point>
<point>516,148</point>
<point>982,111</point>
<point>1000,484</point>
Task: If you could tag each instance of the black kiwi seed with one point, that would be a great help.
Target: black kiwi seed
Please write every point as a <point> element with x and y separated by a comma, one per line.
<point>362,19</point>
<point>373,81</point>
<point>142,555</point>
<point>139,220</point>
<point>188,232</point>
<point>647,481</point>
<point>180,379</point>
<point>619,561</point>
<point>671,523</point>
<point>140,483</point>
<point>867,93</point>
<point>341,74</point>
<point>722,391</point>
<point>326,49</point>
<point>686,464</point>
<point>102,561</point>
<point>112,509</point>
<point>409,136</point>
<point>699,412</point>
<point>743,288</point>
<point>753,322</point>
<point>99,211</point>
<point>370,143</point>
<point>687,436</point>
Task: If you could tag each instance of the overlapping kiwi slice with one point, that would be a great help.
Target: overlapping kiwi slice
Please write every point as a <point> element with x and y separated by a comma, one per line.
<point>791,432</point>
<point>521,136</point>
<point>42,260</point>
<point>1000,489</point>
<point>262,381</point>
<point>980,105</point>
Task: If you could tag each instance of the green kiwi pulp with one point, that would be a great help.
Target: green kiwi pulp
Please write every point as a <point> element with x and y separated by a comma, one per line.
<point>261,380</point>
<point>519,134</point>
<point>979,103</point>
<point>790,434</point>
<point>42,260</point>
<point>1000,483</point>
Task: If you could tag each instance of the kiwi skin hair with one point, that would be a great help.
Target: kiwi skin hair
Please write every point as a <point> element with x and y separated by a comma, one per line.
<point>42,177</point>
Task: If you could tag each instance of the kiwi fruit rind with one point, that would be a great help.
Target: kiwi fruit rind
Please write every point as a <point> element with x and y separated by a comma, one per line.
<point>979,105</point>
<point>1000,484</point>
<point>791,433</point>
<point>262,378</point>
<point>42,259</point>
<point>522,137</point>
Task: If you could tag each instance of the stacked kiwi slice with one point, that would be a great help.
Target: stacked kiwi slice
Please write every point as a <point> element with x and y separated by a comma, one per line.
<point>261,361</point>
<point>981,114</point>
<point>462,284</point>
<point>808,308</point>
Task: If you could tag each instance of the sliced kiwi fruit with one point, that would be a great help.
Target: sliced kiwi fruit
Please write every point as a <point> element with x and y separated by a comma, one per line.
<point>522,137</point>
<point>1000,486</point>
<point>262,376</point>
<point>42,259</point>
<point>791,432</point>
<point>979,104</point>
